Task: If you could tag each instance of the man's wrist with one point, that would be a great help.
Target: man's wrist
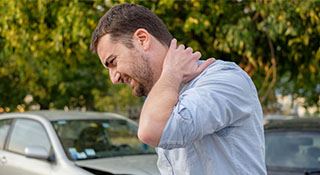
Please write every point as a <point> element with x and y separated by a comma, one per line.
<point>171,80</point>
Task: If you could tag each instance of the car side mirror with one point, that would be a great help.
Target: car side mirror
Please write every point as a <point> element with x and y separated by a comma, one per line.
<point>37,152</point>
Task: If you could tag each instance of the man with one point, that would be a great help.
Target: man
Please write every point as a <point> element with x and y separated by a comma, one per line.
<point>204,117</point>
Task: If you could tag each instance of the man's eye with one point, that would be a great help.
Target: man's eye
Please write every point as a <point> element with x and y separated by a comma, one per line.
<point>113,62</point>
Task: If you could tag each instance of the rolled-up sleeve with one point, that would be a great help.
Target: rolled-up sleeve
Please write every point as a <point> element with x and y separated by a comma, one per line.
<point>216,101</point>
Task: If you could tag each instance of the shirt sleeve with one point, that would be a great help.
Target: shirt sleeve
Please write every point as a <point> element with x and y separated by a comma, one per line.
<point>215,101</point>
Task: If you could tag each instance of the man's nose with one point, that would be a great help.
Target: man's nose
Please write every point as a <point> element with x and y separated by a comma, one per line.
<point>114,76</point>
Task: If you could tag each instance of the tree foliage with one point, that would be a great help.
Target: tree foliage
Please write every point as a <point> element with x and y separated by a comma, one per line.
<point>44,48</point>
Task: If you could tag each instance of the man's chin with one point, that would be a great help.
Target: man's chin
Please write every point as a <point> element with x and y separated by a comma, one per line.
<point>139,92</point>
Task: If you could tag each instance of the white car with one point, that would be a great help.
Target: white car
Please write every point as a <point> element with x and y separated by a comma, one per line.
<point>72,143</point>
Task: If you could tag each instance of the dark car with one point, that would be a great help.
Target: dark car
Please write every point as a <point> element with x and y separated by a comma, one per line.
<point>293,146</point>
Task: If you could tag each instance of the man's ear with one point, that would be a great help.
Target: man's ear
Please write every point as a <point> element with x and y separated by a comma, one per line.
<point>142,38</point>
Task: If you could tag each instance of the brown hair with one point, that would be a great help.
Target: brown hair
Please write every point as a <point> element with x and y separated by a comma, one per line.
<point>121,21</point>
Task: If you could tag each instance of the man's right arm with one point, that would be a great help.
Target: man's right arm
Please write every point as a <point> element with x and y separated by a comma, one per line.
<point>180,66</point>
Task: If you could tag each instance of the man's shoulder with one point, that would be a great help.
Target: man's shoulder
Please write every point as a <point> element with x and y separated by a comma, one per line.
<point>217,70</point>
<point>220,74</point>
<point>220,65</point>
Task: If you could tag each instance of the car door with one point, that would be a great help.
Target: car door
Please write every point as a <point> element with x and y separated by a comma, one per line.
<point>4,130</point>
<point>25,132</point>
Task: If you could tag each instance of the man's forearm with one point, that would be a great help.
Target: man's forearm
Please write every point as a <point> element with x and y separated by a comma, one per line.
<point>157,109</point>
<point>180,66</point>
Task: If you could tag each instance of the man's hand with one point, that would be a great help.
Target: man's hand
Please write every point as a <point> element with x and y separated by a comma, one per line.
<point>181,64</point>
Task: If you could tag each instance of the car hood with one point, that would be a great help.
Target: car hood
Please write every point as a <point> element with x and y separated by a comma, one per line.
<point>134,165</point>
<point>284,173</point>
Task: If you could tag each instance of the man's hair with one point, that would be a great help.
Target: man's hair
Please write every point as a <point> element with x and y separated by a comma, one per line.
<point>121,21</point>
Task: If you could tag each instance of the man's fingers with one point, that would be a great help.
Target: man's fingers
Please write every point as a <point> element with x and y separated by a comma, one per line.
<point>181,47</point>
<point>205,64</point>
<point>196,55</point>
<point>189,50</point>
<point>173,44</point>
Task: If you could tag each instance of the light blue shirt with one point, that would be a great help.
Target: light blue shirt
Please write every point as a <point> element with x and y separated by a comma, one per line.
<point>216,127</point>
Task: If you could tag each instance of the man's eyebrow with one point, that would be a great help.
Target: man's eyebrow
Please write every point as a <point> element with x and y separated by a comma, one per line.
<point>106,61</point>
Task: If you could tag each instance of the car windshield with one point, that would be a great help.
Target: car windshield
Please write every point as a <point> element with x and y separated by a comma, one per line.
<point>89,139</point>
<point>293,149</point>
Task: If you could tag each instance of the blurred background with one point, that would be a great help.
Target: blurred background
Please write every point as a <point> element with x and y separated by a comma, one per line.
<point>45,61</point>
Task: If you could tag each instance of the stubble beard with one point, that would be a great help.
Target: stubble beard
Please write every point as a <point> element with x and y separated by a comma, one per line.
<point>144,77</point>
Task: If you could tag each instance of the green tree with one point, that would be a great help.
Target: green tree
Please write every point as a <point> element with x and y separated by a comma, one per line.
<point>44,48</point>
<point>277,42</point>
<point>45,53</point>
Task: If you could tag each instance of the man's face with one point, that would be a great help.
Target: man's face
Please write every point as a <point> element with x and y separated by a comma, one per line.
<point>125,65</point>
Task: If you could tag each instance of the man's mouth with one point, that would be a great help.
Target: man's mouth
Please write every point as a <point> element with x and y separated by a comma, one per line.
<point>131,82</point>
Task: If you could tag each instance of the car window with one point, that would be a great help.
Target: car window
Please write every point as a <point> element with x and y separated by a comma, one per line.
<point>28,133</point>
<point>293,149</point>
<point>89,139</point>
<point>4,128</point>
